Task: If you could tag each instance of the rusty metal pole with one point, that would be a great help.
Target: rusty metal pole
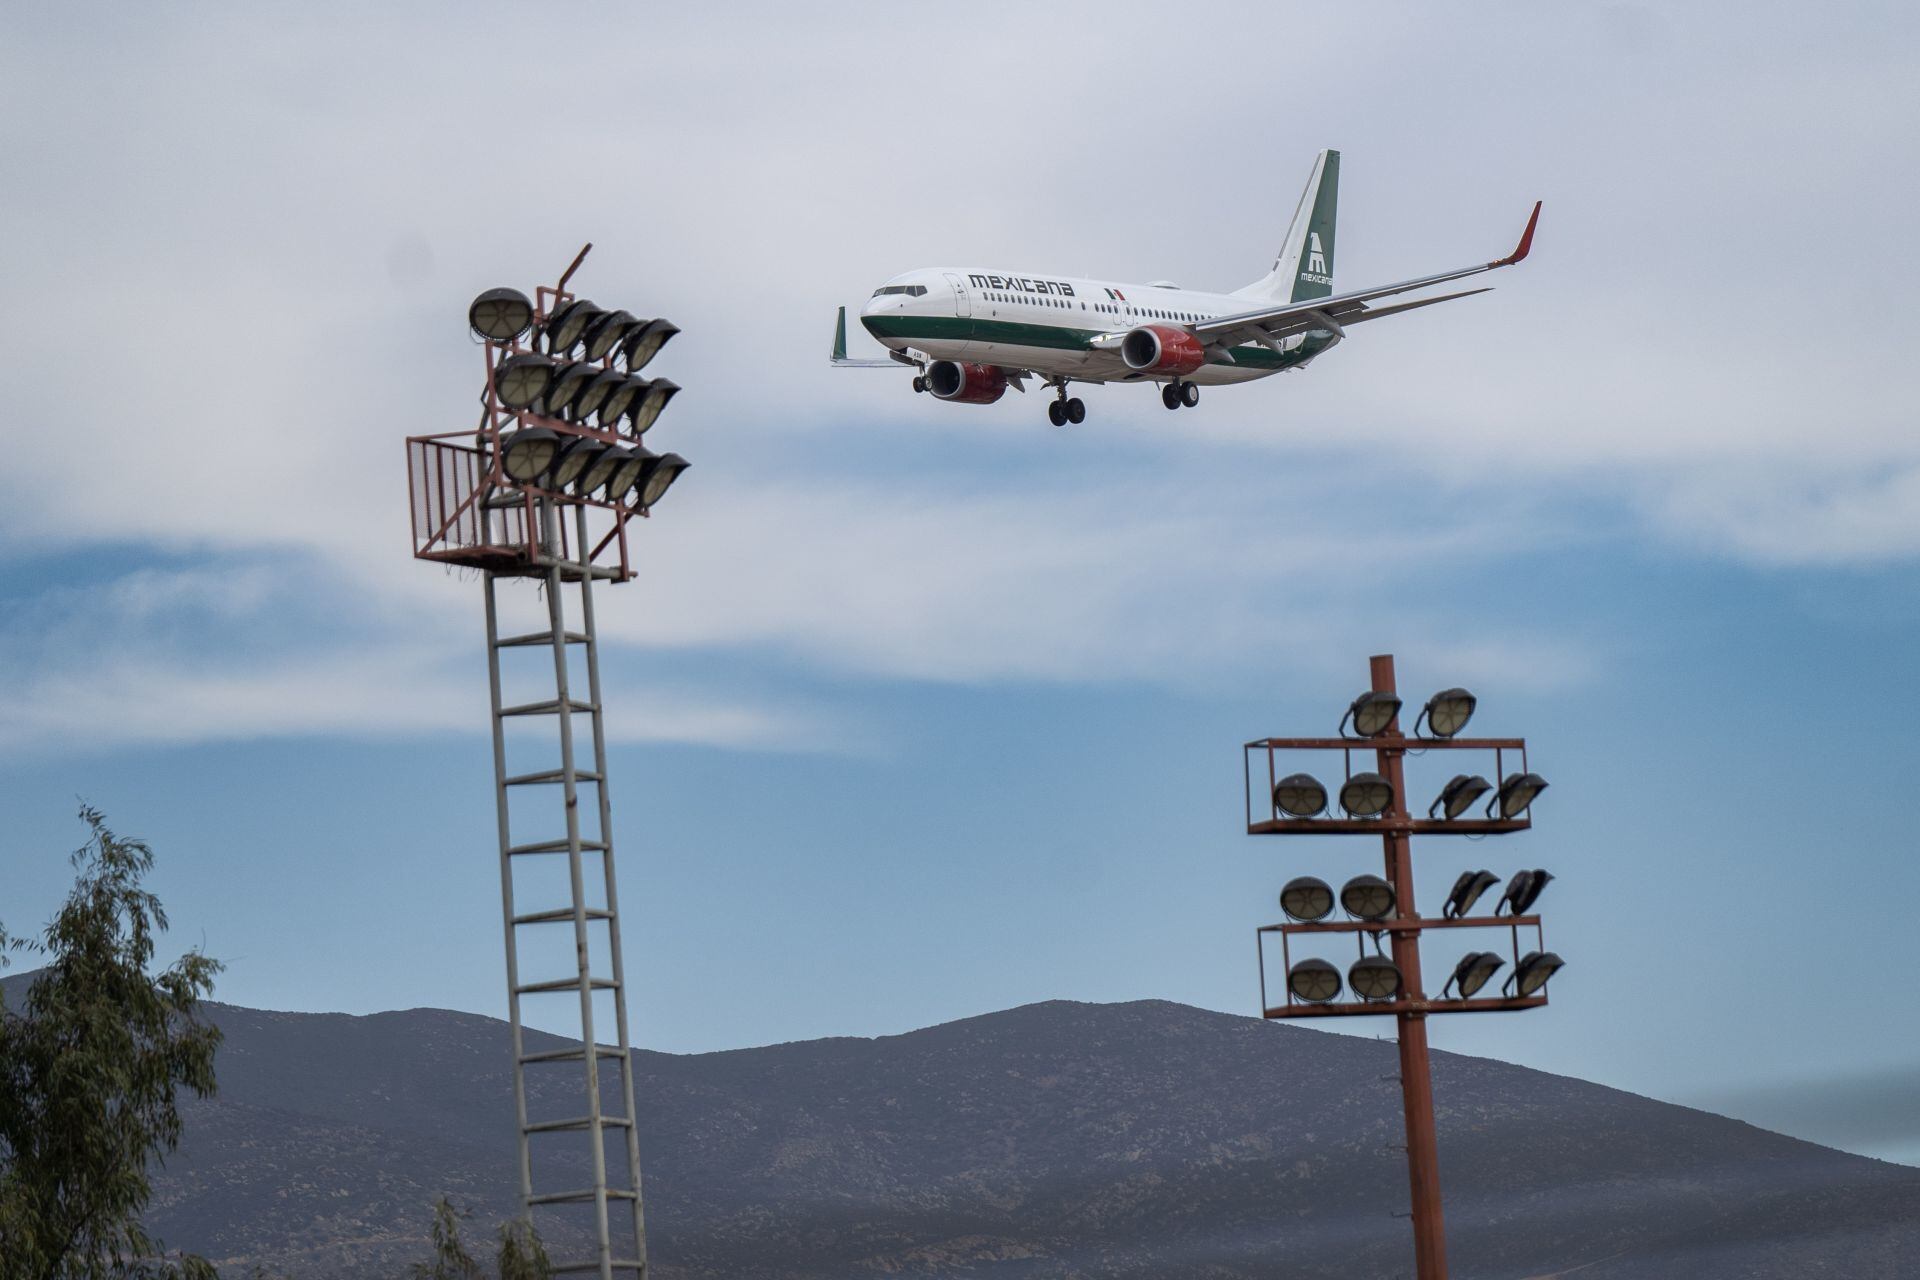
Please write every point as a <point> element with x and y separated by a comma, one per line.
<point>1416,1075</point>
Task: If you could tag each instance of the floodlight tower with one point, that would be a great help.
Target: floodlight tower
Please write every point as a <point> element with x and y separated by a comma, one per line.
<point>543,492</point>
<point>1375,804</point>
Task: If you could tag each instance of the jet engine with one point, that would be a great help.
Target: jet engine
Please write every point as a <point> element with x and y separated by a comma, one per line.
<point>1158,348</point>
<point>966,383</point>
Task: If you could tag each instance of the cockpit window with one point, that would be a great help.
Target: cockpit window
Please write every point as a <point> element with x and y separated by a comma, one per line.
<point>911,290</point>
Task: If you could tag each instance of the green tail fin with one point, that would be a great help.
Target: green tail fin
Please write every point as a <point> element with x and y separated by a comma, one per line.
<point>1304,269</point>
<point>1313,257</point>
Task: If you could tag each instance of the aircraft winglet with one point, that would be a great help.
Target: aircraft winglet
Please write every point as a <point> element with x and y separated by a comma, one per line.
<point>1526,240</point>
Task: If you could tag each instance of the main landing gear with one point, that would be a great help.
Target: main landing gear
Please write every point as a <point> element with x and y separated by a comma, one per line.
<point>919,384</point>
<point>1066,409</point>
<point>1176,395</point>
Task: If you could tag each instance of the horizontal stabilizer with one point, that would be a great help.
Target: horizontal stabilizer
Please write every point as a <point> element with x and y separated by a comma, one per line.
<point>1374,313</point>
<point>840,350</point>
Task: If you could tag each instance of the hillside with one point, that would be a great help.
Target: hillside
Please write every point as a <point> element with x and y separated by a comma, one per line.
<point>1053,1140</point>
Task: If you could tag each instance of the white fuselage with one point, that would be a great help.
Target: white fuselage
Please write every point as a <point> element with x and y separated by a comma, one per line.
<point>1045,323</point>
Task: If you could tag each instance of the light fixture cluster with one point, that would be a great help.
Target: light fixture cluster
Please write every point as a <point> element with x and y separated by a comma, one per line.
<point>601,389</point>
<point>1309,899</point>
<point>1523,890</point>
<point>1375,978</point>
<point>1368,795</point>
<point>1373,713</point>
<point>1370,899</point>
<point>1477,968</point>
<point>1372,978</point>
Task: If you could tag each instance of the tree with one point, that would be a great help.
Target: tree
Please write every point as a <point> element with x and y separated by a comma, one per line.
<point>451,1261</point>
<point>521,1255</point>
<point>90,1068</point>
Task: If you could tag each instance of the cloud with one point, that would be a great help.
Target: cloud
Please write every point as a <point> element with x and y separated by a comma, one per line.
<point>221,652</point>
<point>367,693</point>
<point>1810,515</point>
<point>221,360</point>
<point>1092,582</point>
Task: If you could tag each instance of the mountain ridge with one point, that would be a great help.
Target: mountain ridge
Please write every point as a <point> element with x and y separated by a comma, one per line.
<point>1059,1139</point>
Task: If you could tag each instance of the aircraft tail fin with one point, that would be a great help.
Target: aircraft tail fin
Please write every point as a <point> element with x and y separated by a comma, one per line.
<point>1304,269</point>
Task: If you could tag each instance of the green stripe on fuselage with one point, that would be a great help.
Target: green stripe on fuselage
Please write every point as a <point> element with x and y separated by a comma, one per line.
<point>1015,333</point>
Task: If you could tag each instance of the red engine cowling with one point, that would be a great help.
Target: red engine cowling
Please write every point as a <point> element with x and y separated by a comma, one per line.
<point>1156,348</point>
<point>966,383</point>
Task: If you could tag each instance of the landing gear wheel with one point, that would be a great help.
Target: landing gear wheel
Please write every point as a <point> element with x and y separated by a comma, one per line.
<point>1056,413</point>
<point>919,384</point>
<point>1076,411</point>
<point>1190,394</point>
<point>1170,395</point>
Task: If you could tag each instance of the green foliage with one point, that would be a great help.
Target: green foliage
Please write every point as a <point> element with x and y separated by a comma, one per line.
<point>90,1067</point>
<point>451,1261</point>
<point>521,1256</point>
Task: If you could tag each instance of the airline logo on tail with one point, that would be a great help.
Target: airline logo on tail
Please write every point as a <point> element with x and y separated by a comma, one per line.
<point>1316,260</point>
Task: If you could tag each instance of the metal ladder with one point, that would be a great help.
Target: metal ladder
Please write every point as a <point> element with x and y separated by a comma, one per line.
<point>613,1204</point>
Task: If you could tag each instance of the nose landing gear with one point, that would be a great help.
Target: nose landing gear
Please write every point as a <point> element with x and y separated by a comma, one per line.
<point>1177,395</point>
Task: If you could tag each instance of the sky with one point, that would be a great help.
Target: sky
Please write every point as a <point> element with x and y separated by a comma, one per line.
<point>924,710</point>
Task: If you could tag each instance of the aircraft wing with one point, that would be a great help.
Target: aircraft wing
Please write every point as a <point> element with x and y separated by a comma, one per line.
<point>1269,324</point>
<point>893,360</point>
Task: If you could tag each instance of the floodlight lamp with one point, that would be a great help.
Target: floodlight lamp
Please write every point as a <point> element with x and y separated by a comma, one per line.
<point>574,457</point>
<point>500,315</point>
<point>1314,981</point>
<point>646,411</point>
<point>604,334</point>
<point>621,484</point>
<point>520,380</point>
<point>1473,972</point>
<point>1447,712</point>
<point>599,469</point>
<point>644,343</point>
<point>567,325</point>
<point>526,454</point>
<point>1516,794</point>
<point>1300,795</point>
<point>1371,713</point>
<point>604,470</point>
<point>1307,898</point>
<point>624,396</point>
<point>569,380</point>
<point>1374,978</point>
<point>1367,898</point>
<point>1531,974</point>
<point>1467,891</point>
<point>1523,891</point>
<point>1459,795</point>
<point>589,401</point>
<point>658,477</point>
<point>1366,795</point>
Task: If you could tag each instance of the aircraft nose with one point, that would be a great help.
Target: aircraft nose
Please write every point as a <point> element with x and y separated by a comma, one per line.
<point>876,307</point>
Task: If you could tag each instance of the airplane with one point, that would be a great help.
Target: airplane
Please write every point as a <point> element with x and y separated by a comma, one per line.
<point>970,333</point>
